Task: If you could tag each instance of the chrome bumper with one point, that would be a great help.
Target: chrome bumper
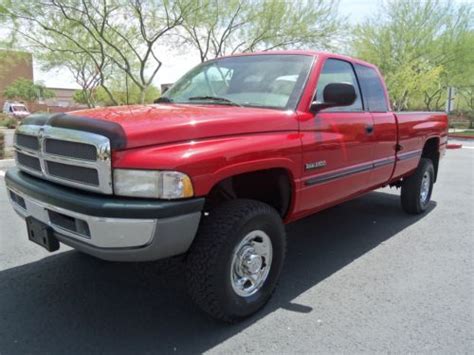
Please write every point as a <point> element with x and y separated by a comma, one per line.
<point>109,238</point>
<point>103,232</point>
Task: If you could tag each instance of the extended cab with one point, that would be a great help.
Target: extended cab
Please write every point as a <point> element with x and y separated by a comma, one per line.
<point>235,149</point>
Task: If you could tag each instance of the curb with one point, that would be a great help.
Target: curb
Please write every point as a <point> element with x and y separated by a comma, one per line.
<point>6,163</point>
<point>460,136</point>
<point>454,146</point>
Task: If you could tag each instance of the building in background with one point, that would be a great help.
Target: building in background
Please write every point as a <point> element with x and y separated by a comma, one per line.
<point>63,98</point>
<point>14,65</point>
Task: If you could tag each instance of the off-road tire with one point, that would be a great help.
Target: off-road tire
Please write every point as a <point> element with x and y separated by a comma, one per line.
<point>208,264</point>
<point>412,185</point>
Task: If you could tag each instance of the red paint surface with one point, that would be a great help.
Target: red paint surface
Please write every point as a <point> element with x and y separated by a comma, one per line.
<point>213,142</point>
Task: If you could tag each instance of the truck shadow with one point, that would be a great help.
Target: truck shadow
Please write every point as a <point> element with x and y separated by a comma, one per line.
<point>72,303</point>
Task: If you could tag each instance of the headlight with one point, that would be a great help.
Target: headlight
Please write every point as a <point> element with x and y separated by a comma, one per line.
<point>152,183</point>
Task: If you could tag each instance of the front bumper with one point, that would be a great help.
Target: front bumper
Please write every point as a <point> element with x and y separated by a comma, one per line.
<point>110,228</point>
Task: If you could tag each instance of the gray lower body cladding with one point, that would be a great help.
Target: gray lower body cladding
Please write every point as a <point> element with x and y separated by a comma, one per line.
<point>118,229</point>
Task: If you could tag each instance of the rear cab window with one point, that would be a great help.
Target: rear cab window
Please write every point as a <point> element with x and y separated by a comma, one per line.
<point>372,89</point>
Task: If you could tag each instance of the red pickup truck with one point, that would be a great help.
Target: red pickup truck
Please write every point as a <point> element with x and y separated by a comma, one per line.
<point>235,149</point>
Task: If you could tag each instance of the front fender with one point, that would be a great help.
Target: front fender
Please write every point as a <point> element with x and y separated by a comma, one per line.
<point>209,161</point>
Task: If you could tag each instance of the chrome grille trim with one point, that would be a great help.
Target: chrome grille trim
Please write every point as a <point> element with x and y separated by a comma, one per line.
<point>102,164</point>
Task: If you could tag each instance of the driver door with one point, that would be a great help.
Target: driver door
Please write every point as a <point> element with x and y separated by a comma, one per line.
<point>337,145</point>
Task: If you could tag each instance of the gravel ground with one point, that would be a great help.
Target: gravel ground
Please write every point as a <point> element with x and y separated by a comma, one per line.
<point>360,277</point>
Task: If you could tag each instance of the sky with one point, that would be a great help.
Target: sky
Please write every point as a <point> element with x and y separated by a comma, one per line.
<point>175,64</point>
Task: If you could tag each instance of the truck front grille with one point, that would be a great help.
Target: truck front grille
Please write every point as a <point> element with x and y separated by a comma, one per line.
<point>28,142</point>
<point>71,149</point>
<point>73,173</point>
<point>28,161</point>
<point>69,157</point>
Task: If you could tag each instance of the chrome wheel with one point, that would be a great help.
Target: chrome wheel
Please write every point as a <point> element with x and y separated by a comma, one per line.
<point>425,187</point>
<point>251,263</point>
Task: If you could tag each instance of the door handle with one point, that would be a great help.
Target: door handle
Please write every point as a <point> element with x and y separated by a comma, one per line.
<point>369,129</point>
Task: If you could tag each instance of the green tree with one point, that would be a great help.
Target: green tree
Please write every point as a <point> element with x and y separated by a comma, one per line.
<point>26,90</point>
<point>95,39</point>
<point>466,103</point>
<point>222,27</point>
<point>421,48</point>
<point>124,95</point>
<point>84,71</point>
<point>84,98</point>
<point>119,33</point>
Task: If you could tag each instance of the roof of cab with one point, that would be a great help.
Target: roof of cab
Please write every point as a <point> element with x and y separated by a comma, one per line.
<point>319,54</point>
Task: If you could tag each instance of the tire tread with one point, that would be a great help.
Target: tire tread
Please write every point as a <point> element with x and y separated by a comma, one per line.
<point>411,188</point>
<point>211,239</point>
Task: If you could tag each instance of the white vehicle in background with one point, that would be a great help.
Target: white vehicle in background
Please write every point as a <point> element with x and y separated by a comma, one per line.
<point>15,110</point>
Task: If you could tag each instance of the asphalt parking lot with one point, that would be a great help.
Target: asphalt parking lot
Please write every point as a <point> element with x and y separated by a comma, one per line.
<point>359,277</point>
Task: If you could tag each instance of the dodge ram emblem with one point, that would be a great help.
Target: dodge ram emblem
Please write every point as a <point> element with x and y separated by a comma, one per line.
<point>315,165</point>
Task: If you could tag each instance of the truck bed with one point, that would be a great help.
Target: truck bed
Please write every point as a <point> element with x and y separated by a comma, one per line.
<point>415,128</point>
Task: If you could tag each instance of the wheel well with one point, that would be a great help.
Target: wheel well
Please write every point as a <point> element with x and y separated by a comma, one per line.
<point>431,151</point>
<point>272,186</point>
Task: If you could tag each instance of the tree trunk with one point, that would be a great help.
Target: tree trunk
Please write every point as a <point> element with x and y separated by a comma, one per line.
<point>90,99</point>
<point>109,94</point>
<point>142,95</point>
<point>87,97</point>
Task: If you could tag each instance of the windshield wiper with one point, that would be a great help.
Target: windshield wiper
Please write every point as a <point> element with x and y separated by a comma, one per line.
<point>162,99</point>
<point>214,98</point>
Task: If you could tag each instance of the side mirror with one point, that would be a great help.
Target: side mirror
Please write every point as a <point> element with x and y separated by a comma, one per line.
<point>334,95</point>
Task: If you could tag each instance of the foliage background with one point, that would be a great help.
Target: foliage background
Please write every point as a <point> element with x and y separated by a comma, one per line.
<point>115,48</point>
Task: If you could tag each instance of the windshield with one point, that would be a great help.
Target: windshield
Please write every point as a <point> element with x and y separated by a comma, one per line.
<point>273,81</point>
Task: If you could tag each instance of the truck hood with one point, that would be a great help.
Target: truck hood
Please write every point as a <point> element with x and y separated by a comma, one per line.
<point>145,125</point>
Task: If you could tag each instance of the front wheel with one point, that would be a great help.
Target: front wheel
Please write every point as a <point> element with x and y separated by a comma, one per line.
<point>417,188</point>
<point>235,262</point>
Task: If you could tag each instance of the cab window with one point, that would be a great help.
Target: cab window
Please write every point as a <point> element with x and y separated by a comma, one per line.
<point>372,88</point>
<point>338,71</point>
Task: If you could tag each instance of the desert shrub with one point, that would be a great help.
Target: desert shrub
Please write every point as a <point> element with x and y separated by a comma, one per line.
<point>8,122</point>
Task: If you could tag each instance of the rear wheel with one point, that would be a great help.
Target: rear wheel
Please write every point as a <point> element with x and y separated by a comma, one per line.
<point>235,262</point>
<point>417,188</point>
